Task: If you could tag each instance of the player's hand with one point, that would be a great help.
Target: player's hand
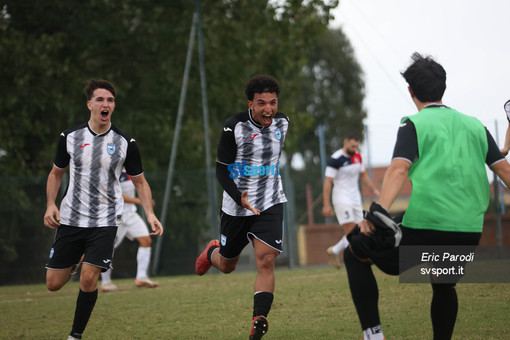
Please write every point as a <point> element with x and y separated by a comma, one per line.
<point>366,227</point>
<point>52,217</point>
<point>504,152</point>
<point>247,205</point>
<point>156,226</point>
<point>326,211</point>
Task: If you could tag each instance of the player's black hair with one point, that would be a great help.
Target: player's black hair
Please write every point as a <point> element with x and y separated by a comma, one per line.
<point>94,84</point>
<point>352,136</point>
<point>261,83</point>
<point>426,78</point>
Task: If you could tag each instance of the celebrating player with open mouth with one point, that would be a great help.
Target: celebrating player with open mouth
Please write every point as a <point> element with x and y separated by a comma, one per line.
<point>252,209</point>
<point>86,223</point>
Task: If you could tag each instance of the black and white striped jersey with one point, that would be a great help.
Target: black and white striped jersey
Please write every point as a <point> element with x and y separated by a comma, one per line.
<point>94,196</point>
<point>252,153</point>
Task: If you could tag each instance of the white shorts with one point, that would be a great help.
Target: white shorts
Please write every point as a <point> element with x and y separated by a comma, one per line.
<point>131,226</point>
<point>348,214</point>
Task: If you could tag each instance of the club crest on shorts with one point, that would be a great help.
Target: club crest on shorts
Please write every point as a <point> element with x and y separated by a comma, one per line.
<point>110,148</point>
<point>277,133</point>
<point>52,251</point>
<point>223,240</point>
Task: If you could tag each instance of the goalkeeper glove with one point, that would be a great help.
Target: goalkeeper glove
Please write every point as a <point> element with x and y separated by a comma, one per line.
<point>380,218</point>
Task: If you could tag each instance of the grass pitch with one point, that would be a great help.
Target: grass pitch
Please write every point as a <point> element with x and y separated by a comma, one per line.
<point>310,303</point>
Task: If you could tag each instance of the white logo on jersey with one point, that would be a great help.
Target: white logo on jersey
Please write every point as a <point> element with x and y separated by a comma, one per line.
<point>278,241</point>
<point>107,261</point>
<point>403,124</point>
<point>227,129</point>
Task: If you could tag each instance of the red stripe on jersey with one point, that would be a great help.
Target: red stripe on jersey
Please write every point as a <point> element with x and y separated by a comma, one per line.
<point>356,158</point>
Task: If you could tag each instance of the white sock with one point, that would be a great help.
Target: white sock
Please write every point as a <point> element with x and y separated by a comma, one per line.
<point>106,277</point>
<point>143,258</point>
<point>341,245</point>
<point>373,333</point>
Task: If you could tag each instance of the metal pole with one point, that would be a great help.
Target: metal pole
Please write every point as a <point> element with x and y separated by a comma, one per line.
<point>322,152</point>
<point>290,219</point>
<point>322,149</point>
<point>175,143</point>
<point>209,173</point>
<point>309,204</point>
<point>369,156</point>
<point>499,231</point>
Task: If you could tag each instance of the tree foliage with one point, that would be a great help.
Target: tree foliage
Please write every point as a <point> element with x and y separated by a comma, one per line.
<point>332,80</point>
<point>48,49</point>
<point>51,48</point>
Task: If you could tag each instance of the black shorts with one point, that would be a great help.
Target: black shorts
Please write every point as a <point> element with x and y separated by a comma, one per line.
<point>388,260</point>
<point>237,231</point>
<point>72,242</point>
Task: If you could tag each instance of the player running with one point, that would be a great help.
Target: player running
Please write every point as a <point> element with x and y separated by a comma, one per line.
<point>86,223</point>
<point>248,169</point>
<point>344,169</point>
<point>133,227</point>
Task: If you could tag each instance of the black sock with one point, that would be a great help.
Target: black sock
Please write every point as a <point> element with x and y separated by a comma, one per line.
<point>364,291</point>
<point>209,252</point>
<point>443,310</point>
<point>84,306</point>
<point>262,302</point>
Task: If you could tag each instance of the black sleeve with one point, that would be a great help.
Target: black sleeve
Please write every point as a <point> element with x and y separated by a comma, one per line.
<point>227,147</point>
<point>493,153</point>
<point>406,145</point>
<point>227,151</point>
<point>62,157</point>
<point>227,183</point>
<point>133,162</point>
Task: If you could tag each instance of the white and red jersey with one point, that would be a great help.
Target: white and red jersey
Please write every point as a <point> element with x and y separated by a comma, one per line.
<point>345,171</point>
<point>128,188</point>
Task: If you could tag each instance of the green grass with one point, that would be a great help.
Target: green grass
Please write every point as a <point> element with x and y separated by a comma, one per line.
<point>310,303</point>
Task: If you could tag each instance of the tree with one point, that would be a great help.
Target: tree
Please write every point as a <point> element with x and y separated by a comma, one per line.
<point>332,91</point>
<point>51,48</point>
<point>48,49</point>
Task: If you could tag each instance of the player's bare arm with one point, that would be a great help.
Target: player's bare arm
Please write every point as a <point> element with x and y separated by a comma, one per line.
<point>392,184</point>
<point>502,169</point>
<point>134,200</point>
<point>52,215</point>
<point>393,180</point>
<point>326,194</point>
<point>506,146</point>
<point>144,192</point>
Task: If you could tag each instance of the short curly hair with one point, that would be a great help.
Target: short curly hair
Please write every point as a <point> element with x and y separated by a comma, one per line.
<point>261,83</point>
<point>426,78</point>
